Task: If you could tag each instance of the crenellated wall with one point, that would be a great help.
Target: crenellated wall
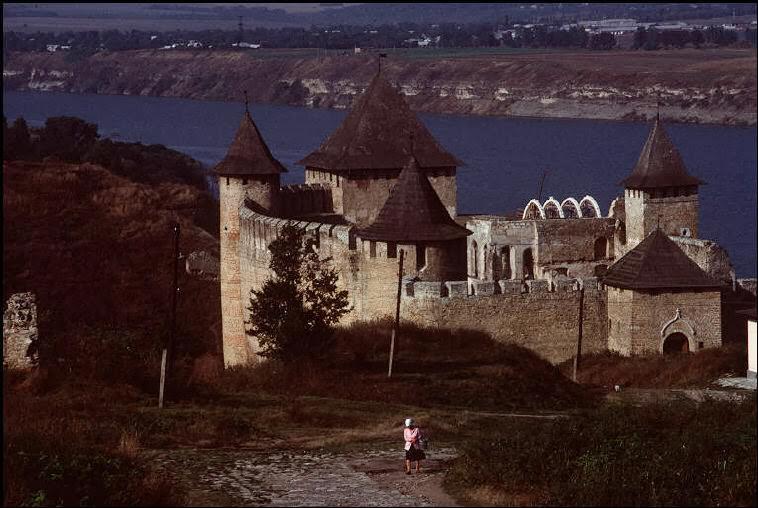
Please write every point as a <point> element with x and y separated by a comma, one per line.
<point>538,315</point>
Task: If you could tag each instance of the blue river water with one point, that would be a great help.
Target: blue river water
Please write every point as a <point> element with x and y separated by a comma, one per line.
<point>505,157</point>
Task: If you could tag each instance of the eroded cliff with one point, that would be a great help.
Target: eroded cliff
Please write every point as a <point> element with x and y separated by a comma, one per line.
<point>706,86</point>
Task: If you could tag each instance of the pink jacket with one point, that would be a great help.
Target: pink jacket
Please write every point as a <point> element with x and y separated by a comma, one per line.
<point>411,437</point>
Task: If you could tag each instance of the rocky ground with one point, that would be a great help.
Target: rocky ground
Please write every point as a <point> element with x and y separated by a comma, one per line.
<point>370,477</point>
<point>701,86</point>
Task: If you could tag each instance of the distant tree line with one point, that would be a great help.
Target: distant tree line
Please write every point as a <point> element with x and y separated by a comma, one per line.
<point>652,39</point>
<point>73,140</point>
<point>346,37</point>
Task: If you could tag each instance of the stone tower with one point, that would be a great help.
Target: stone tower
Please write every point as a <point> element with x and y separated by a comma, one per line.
<point>660,193</point>
<point>248,171</point>
<point>362,159</point>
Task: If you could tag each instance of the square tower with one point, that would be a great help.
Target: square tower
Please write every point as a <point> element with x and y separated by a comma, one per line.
<point>660,193</point>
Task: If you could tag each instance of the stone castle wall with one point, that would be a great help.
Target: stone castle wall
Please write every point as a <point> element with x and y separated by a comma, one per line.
<point>542,318</point>
<point>540,315</point>
<point>640,321</point>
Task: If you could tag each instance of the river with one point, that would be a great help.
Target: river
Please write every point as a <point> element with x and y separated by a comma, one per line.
<point>505,157</point>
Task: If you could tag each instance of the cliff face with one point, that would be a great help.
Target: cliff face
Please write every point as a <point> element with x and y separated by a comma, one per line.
<point>708,86</point>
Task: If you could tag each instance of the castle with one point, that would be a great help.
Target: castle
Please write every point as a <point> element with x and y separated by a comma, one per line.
<point>637,280</point>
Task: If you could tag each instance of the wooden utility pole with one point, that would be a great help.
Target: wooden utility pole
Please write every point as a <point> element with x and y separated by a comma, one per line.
<point>397,312</point>
<point>577,358</point>
<point>168,348</point>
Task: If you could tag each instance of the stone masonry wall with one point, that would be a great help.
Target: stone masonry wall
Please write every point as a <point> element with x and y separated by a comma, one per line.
<point>544,321</point>
<point>543,318</point>
<point>709,256</point>
<point>640,321</point>
<point>19,330</point>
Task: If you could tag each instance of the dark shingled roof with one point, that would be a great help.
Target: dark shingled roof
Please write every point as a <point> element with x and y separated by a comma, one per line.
<point>248,153</point>
<point>660,164</point>
<point>413,212</point>
<point>657,263</point>
<point>375,134</point>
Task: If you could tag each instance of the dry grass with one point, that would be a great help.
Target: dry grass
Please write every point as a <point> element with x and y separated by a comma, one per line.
<point>656,371</point>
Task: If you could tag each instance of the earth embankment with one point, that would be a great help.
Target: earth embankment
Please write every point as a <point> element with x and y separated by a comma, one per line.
<point>700,86</point>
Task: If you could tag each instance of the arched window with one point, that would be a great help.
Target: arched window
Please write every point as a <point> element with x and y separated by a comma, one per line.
<point>474,259</point>
<point>601,248</point>
<point>528,266</point>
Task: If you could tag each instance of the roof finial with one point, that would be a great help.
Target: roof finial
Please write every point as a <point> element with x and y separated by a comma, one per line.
<point>246,109</point>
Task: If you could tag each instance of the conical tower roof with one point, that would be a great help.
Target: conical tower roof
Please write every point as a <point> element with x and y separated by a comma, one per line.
<point>657,263</point>
<point>248,153</point>
<point>374,134</point>
<point>413,212</point>
<point>660,164</point>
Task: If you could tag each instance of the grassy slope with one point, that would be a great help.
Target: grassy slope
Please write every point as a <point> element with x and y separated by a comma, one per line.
<point>96,248</point>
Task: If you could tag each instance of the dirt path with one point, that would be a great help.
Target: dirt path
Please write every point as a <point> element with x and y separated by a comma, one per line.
<point>309,478</point>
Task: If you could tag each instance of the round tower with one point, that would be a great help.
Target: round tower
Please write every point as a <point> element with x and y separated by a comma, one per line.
<point>248,173</point>
<point>660,193</point>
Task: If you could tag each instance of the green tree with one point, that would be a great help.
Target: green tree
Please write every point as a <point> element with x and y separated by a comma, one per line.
<point>294,313</point>
<point>67,138</point>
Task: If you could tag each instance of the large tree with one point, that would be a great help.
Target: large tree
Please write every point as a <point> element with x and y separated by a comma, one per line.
<point>294,313</point>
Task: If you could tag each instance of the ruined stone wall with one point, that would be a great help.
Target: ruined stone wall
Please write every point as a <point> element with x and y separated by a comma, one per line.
<point>497,247</point>
<point>308,199</point>
<point>19,330</point>
<point>543,320</point>
<point>639,322</point>
<point>709,256</point>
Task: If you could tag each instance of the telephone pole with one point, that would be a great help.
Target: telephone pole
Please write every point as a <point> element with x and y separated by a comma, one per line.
<point>168,348</point>
<point>396,326</point>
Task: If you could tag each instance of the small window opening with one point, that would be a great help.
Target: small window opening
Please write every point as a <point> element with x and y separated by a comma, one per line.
<point>244,181</point>
<point>686,232</point>
<point>391,250</point>
<point>227,180</point>
<point>700,345</point>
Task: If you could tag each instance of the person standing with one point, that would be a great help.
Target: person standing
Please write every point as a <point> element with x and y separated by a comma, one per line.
<point>413,451</point>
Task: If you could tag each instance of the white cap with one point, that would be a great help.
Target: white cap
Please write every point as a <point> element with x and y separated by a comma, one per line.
<point>409,422</point>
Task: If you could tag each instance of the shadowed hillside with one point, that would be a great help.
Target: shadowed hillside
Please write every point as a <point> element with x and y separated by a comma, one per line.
<point>96,249</point>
